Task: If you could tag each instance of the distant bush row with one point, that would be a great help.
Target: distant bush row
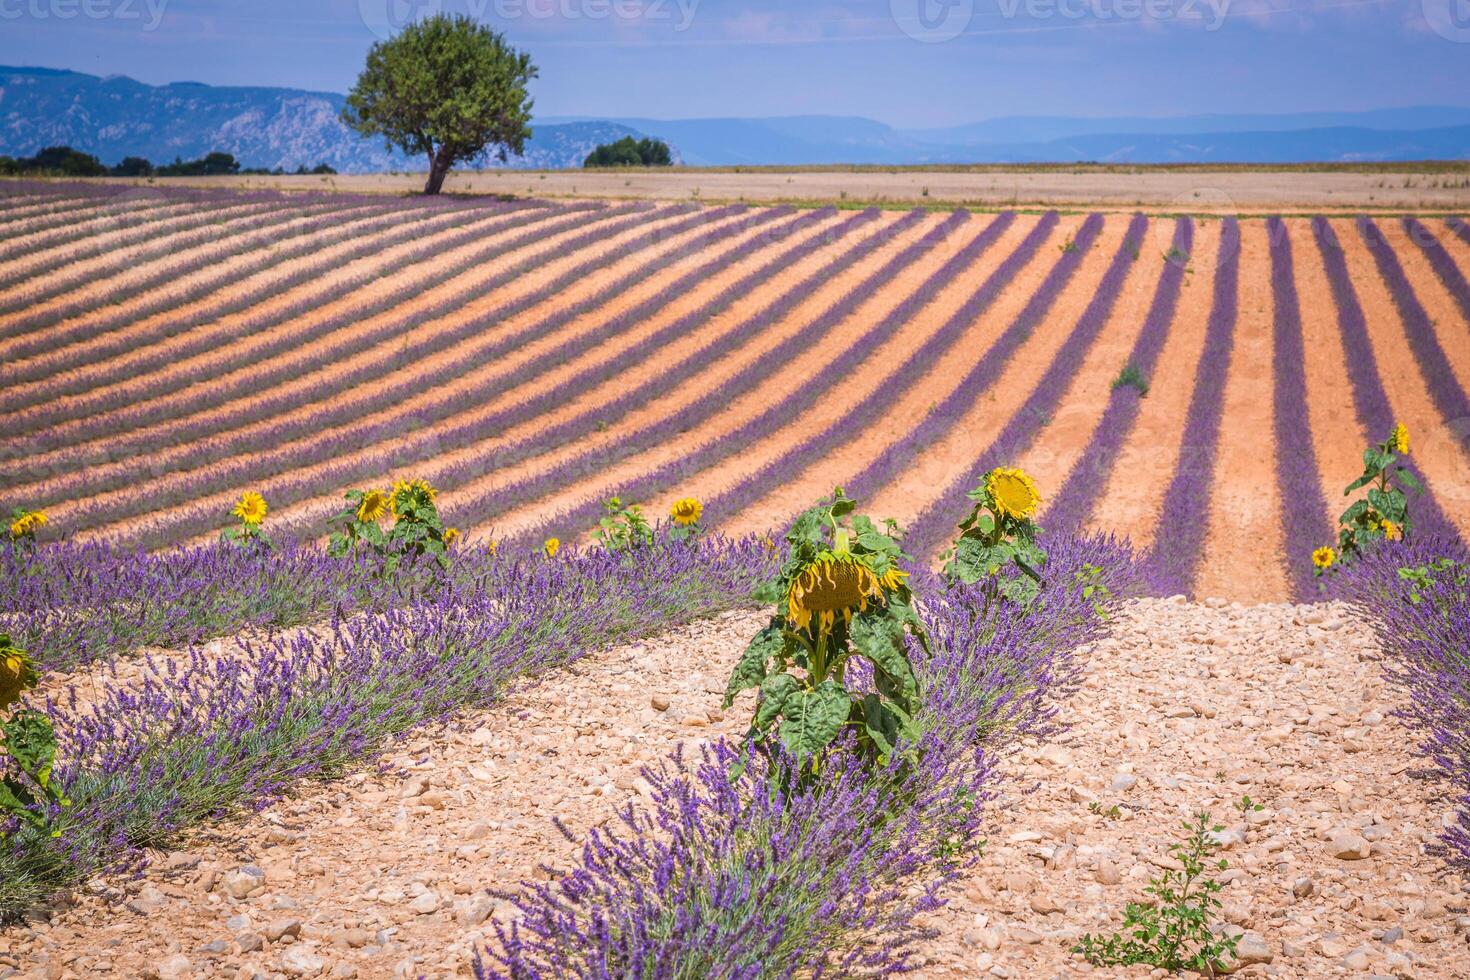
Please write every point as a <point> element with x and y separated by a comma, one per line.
<point>63,161</point>
<point>628,152</point>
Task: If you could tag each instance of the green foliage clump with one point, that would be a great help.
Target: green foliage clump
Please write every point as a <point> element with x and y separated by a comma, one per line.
<point>54,161</point>
<point>624,528</point>
<point>999,533</point>
<point>840,596</point>
<point>628,152</point>
<point>27,748</point>
<point>1172,932</point>
<point>1131,377</point>
<point>1380,515</point>
<point>447,88</point>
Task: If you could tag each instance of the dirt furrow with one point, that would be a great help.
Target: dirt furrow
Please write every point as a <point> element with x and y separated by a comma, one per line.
<point>1245,508</point>
<point>1129,499</point>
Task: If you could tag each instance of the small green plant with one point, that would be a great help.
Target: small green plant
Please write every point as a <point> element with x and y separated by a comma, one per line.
<point>1172,932</point>
<point>1131,377</point>
<point>1068,246</point>
<point>839,596</point>
<point>1382,514</point>
<point>1094,589</point>
<point>27,748</point>
<point>624,528</point>
<point>1176,255</point>
<point>1000,532</point>
<point>1112,813</point>
<point>249,534</point>
<point>1442,570</point>
<point>1246,805</point>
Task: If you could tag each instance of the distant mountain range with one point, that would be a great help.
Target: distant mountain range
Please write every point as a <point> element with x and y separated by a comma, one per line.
<point>274,127</point>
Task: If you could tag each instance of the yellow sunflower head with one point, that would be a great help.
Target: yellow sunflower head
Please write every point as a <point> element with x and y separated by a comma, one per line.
<point>27,524</point>
<point>1324,558</point>
<point>1012,493</point>
<point>251,509</point>
<point>16,674</point>
<point>493,546</point>
<point>451,535</point>
<point>687,511</point>
<point>552,546</point>
<point>1399,441</point>
<point>373,506</point>
<point>406,490</point>
<point>1390,530</point>
<point>835,584</point>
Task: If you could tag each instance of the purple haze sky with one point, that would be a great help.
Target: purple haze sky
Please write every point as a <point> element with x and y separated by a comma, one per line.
<point>684,58</point>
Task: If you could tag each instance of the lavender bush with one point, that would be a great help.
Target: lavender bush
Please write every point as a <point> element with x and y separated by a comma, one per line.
<point>1417,596</point>
<point>144,759</point>
<point>1184,514</point>
<point>767,877</point>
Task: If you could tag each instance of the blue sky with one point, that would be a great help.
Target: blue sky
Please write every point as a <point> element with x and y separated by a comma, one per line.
<point>905,62</point>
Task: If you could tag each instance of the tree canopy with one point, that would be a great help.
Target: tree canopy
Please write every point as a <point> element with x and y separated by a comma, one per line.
<point>445,87</point>
<point>628,152</point>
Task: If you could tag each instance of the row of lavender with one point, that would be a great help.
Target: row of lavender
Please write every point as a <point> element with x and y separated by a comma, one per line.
<point>142,759</point>
<point>1417,596</point>
<point>770,874</point>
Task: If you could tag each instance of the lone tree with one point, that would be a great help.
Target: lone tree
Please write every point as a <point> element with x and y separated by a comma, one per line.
<point>446,87</point>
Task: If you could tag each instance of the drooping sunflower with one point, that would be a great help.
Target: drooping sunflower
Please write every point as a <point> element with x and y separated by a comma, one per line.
<point>687,511</point>
<point>835,584</point>
<point>372,507</point>
<point>1013,493</point>
<point>406,489</point>
<point>451,535</point>
<point>252,508</point>
<point>1390,530</point>
<point>1324,558</point>
<point>1399,441</point>
<point>552,546</point>
<point>16,674</point>
<point>27,524</point>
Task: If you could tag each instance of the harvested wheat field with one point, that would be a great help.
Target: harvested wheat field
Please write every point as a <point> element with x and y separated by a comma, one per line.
<point>345,664</point>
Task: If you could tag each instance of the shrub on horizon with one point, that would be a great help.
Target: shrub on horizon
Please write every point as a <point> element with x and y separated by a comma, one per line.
<point>840,597</point>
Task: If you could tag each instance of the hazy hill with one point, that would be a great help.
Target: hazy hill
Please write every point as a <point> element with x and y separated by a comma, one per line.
<point>269,127</point>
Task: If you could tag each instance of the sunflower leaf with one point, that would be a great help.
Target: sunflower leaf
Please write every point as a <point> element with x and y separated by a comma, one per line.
<point>751,669</point>
<point>814,718</point>
<point>776,690</point>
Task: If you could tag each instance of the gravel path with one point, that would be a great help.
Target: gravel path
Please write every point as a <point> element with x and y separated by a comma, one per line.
<point>1186,707</point>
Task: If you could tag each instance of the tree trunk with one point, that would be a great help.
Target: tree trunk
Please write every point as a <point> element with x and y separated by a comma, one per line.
<point>438,170</point>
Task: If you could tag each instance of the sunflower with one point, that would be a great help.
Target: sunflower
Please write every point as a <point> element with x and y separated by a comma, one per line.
<point>836,583</point>
<point>552,546</point>
<point>1012,493</point>
<point>451,535</point>
<point>16,675</point>
<point>374,504</point>
<point>26,525</point>
<point>407,489</point>
<point>1324,558</point>
<point>687,511</point>
<point>1390,530</point>
<point>251,509</point>
<point>1399,441</point>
